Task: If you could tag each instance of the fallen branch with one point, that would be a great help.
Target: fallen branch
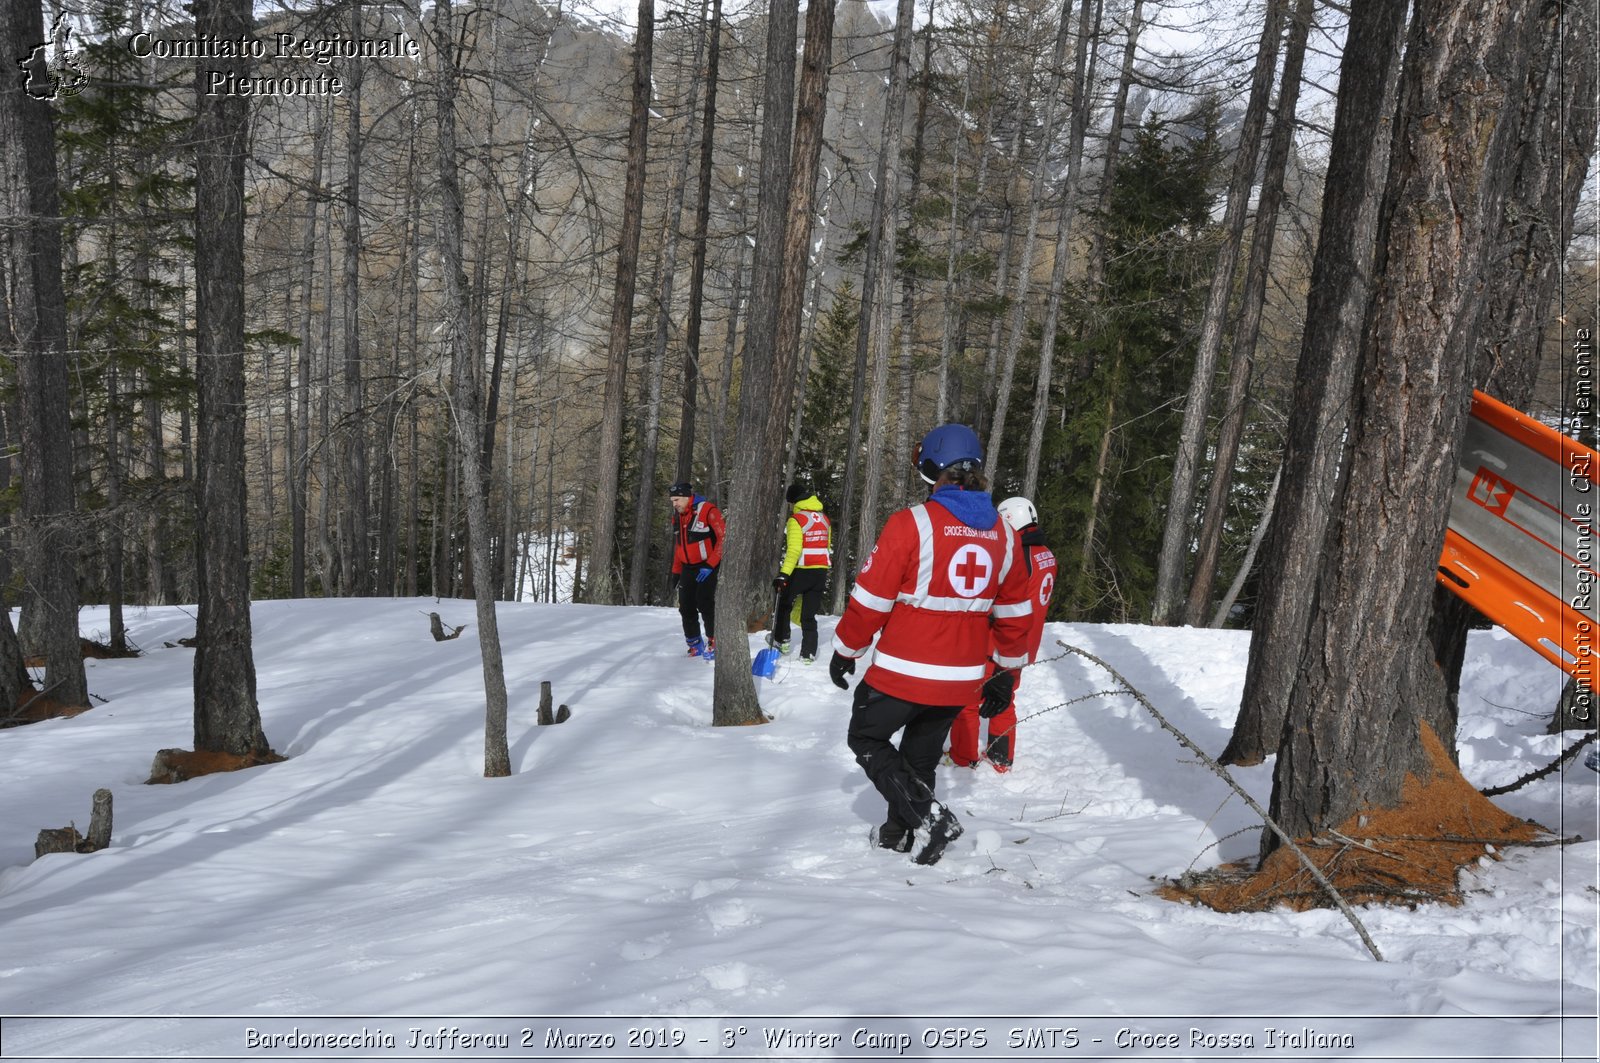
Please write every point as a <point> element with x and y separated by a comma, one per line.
<point>1550,768</point>
<point>1222,773</point>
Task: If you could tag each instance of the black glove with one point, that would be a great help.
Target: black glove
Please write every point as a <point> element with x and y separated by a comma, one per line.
<point>672,584</point>
<point>997,693</point>
<point>840,667</point>
<point>779,583</point>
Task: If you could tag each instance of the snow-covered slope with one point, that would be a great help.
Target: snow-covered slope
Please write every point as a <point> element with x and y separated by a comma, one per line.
<point>641,863</point>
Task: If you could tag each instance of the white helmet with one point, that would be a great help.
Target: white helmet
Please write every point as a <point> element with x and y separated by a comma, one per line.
<point>1018,512</point>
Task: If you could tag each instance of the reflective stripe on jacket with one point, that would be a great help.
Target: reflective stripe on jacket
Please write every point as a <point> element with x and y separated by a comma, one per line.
<point>808,537</point>
<point>938,595</point>
<point>697,535</point>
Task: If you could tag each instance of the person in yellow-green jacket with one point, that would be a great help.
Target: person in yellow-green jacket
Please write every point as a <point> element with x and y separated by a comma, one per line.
<point>807,556</point>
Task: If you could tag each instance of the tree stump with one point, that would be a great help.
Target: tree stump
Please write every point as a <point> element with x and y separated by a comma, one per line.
<point>437,627</point>
<point>546,718</point>
<point>99,823</point>
<point>56,840</point>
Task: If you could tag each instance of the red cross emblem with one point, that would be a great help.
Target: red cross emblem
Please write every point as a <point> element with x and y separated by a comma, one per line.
<point>970,570</point>
<point>1491,492</point>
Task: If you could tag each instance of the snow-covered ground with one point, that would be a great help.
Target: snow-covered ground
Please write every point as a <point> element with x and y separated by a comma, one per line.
<point>681,888</point>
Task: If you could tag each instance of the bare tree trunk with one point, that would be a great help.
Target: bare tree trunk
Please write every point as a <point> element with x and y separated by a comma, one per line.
<point>464,397</point>
<point>906,343</point>
<point>358,500</point>
<point>1367,682</point>
<point>1095,268</point>
<point>1558,123</point>
<point>766,390</point>
<point>1231,431</point>
<point>814,305</point>
<point>14,681</point>
<point>413,329</point>
<point>1017,326</point>
<point>1225,607</point>
<point>39,309</point>
<point>300,439</point>
<point>510,291</point>
<point>226,716</point>
<point>327,556</point>
<point>602,582</point>
<point>667,274</point>
<point>697,258</point>
<point>1341,288</point>
<point>721,439</point>
<point>1101,463</point>
<point>949,325</point>
<point>888,187</point>
<point>1168,596</point>
<point>117,638</point>
<point>1082,77</point>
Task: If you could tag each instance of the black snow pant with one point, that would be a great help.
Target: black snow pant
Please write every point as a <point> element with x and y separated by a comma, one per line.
<point>903,775</point>
<point>697,599</point>
<point>807,584</point>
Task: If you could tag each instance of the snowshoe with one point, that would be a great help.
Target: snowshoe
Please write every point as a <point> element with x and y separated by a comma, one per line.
<point>697,646</point>
<point>710,652</point>
<point>808,660</point>
<point>943,828</point>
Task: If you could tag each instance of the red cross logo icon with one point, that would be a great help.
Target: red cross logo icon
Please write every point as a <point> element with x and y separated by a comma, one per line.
<point>970,570</point>
<point>1491,492</point>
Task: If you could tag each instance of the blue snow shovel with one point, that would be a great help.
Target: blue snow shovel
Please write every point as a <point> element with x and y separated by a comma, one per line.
<point>765,665</point>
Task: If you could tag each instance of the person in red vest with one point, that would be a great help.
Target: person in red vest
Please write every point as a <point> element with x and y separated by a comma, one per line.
<point>945,594</point>
<point>697,531</point>
<point>1040,565</point>
<point>807,555</point>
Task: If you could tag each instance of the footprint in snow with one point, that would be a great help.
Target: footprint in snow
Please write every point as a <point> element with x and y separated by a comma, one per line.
<point>729,914</point>
<point>711,887</point>
<point>648,949</point>
<point>727,977</point>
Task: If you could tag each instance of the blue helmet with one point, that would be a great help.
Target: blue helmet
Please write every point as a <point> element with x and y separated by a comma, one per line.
<point>948,446</point>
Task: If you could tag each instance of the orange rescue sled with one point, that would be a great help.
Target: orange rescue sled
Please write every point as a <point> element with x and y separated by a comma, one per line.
<point>1521,546</point>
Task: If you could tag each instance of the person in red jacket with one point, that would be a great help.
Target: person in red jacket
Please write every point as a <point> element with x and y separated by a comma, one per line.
<point>944,593</point>
<point>697,530</point>
<point>1040,565</point>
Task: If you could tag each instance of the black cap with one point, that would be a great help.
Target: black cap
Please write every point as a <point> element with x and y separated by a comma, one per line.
<point>681,489</point>
<point>796,492</point>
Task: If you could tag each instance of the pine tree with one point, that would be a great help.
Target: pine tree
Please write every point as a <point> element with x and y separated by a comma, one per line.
<point>125,208</point>
<point>1107,467</point>
<point>825,420</point>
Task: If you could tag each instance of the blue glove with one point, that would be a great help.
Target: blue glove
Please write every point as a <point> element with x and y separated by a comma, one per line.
<point>840,667</point>
<point>703,575</point>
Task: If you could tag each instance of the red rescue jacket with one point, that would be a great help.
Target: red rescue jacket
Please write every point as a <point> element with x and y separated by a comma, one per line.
<point>938,595</point>
<point>697,535</point>
<point>1040,564</point>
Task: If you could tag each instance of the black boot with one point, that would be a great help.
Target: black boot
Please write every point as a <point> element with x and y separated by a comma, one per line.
<point>894,837</point>
<point>943,828</point>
